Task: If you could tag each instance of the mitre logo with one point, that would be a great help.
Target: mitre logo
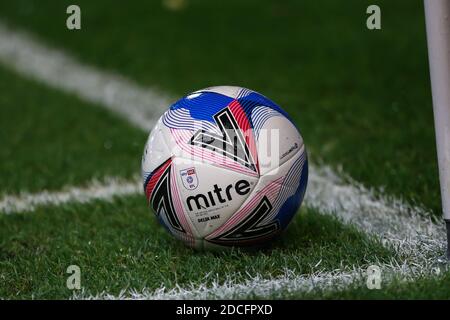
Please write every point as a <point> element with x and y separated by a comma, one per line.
<point>217,195</point>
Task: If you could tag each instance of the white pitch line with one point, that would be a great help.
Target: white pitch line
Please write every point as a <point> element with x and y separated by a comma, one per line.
<point>95,190</point>
<point>232,289</point>
<point>406,227</point>
<point>29,57</point>
<point>288,285</point>
<point>409,229</point>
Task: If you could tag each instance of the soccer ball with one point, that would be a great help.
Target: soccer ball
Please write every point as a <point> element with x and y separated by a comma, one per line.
<point>224,166</point>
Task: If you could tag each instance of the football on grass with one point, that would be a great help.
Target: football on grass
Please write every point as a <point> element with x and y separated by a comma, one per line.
<point>224,166</point>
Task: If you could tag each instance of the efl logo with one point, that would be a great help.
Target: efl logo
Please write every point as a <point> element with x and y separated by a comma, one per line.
<point>189,178</point>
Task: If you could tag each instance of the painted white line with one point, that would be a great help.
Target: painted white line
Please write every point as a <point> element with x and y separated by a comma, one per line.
<point>409,229</point>
<point>406,227</point>
<point>32,59</point>
<point>388,217</point>
<point>401,225</point>
<point>417,240</point>
<point>391,219</point>
<point>95,190</point>
<point>258,286</point>
<point>289,285</point>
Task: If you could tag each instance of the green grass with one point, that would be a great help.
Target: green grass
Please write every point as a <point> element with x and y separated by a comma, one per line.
<point>119,245</point>
<point>50,139</point>
<point>361,98</point>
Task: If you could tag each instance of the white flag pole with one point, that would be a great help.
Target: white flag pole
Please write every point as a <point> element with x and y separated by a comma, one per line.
<point>437,14</point>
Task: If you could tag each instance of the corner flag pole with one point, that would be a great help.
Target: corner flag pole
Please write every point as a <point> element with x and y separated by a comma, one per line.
<point>437,15</point>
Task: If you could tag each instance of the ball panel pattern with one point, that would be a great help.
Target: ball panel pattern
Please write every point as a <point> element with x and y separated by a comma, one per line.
<point>268,199</point>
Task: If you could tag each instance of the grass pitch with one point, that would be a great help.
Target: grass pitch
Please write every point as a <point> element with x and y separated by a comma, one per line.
<point>361,99</point>
<point>348,88</point>
<point>119,245</point>
<point>50,140</point>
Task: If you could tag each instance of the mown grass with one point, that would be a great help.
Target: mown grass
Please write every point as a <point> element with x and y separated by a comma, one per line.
<point>119,245</point>
<point>49,139</point>
<point>361,98</point>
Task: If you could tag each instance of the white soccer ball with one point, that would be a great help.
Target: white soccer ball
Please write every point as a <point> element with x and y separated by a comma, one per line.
<point>224,166</point>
